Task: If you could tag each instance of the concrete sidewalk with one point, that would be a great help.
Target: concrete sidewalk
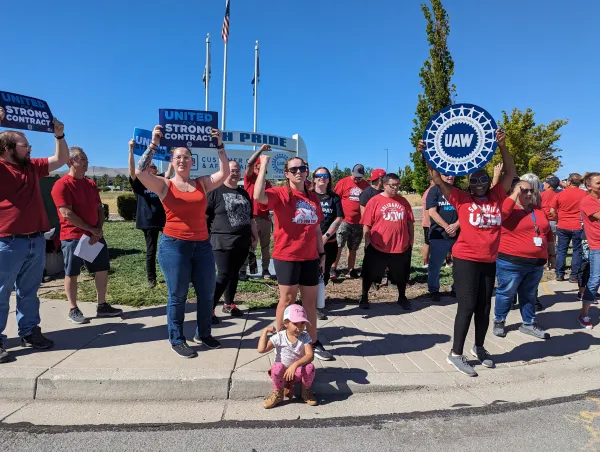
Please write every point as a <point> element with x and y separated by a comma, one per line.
<point>381,350</point>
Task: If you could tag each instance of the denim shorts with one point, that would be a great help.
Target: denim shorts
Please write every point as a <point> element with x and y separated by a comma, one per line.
<point>74,263</point>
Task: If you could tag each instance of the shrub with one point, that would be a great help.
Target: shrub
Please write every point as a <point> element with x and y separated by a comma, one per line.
<point>106,211</point>
<point>126,206</point>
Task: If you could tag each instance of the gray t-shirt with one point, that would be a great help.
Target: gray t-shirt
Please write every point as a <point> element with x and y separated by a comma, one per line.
<point>286,352</point>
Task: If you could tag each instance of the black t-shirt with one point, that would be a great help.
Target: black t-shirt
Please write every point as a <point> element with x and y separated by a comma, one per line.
<point>228,216</point>
<point>367,194</point>
<point>332,208</point>
<point>444,209</point>
<point>150,212</point>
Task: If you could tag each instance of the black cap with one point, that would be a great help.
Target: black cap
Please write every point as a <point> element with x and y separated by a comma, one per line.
<point>358,170</point>
<point>553,181</point>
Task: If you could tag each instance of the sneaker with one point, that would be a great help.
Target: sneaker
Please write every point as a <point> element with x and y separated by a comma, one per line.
<point>36,340</point>
<point>106,310</point>
<point>573,280</point>
<point>214,320</point>
<point>539,307</point>
<point>321,353</point>
<point>460,363</point>
<point>499,328</point>
<point>404,303</point>
<point>435,296</point>
<point>534,330</point>
<point>354,274</point>
<point>252,264</point>
<point>4,355</point>
<point>321,315</point>
<point>243,277</point>
<point>274,399</point>
<point>208,342</point>
<point>151,284</point>
<point>586,322</point>
<point>308,396</point>
<point>184,350</point>
<point>560,278</point>
<point>425,266</point>
<point>483,356</point>
<point>266,274</point>
<point>232,309</point>
<point>333,274</point>
<point>579,296</point>
<point>363,302</point>
<point>76,316</point>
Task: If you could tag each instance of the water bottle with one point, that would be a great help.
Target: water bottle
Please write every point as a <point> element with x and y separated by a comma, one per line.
<point>321,292</point>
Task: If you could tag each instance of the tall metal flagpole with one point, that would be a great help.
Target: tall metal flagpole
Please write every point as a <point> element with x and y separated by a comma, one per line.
<point>225,36</point>
<point>207,71</point>
<point>256,87</point>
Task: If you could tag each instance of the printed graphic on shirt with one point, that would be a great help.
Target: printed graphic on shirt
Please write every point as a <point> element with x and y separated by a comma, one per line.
<point>443,204</point>
<point>237,208</point>
<point>305,213</point>
<point>354,194</point>
<point>485,216</point>
<point>393,211</point>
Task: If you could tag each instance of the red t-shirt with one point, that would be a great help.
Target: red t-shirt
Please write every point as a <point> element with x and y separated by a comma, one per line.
<point>426,221</point>
<point>83,197</point>
<point>518,232</point>
<point>258,209</point>
<point>547,197</point>
<point>591,226</point>
<point>350,192</point>
<point>297,219</point>
<point>480,224</point>
<point>388,218</point>
<point>567,208</point>
<point>21,207</point>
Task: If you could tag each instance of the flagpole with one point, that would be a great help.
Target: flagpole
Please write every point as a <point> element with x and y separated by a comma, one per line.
<point>256,87</point>
<point>207,72</point>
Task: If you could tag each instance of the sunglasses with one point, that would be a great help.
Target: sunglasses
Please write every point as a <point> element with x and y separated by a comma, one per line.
<point>321,176</point>
<point>393,186</point>
<point>527,190</point>
<point>481,180</point>
<point>295,169</point>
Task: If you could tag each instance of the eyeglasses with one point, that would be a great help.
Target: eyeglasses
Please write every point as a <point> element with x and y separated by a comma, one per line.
<point>393,186</point>
<point>321,176</point>
<point>295,169</point>
<point>479,180</point>
<point>26,146</point>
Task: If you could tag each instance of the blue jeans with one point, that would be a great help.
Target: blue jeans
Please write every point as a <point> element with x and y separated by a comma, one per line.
<point>564,238</point>
<point>22,264</point>
<point>182,261</point>
<point>438,250</point>
<point>594,282</point>
<point>516,279</point>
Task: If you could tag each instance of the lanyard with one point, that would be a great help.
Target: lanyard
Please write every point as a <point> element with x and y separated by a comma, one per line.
<point>537,229</point>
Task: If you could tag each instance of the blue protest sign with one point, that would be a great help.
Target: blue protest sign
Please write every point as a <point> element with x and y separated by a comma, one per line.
<point>142,138</point>
<point>188,128</point>
<point>27,113</point>
<point>460,139</point>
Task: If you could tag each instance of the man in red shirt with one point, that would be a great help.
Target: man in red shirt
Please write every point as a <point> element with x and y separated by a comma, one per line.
<point>264,226</point>
<point>388,224</point>
<point>23,222</point>
<point>547,196</point>
<point>350,231</point>
<point>566,210</point>
<point>80,212</point>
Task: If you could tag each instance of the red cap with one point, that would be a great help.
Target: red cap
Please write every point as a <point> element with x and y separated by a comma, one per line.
<point>376,174</point>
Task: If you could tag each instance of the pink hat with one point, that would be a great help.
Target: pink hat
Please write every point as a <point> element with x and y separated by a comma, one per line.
<point>295,313</point>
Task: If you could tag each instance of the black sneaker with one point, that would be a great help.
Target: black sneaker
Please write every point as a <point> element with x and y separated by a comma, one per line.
<point>184,350</point>
<point>232,309</point>
<point>435,296</point>
<point>214,319</point>
<point>539,307</point>
<point>404,303</point>
<point>36,340</point>
<point>499,329</point>
<point>4,355</point>
<point>321,315</point>
<point>208,342</point>
<point>106,310</point>
<point>321,353</point>
<point>151,283</point>
<point>243,277</point>
<point>363,302</point>
<point>354,274</point>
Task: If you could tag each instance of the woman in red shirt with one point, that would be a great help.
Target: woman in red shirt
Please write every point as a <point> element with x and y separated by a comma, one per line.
<point>526,243</point>
<point>590,213</point>
<point>475,253</point>
<point>298,254</point>
<point>185,253</point>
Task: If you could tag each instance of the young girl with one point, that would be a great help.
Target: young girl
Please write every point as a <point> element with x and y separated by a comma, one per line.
<point>293,357</point>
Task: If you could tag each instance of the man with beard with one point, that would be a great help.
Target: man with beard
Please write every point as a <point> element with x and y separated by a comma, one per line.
<point>23,221</point>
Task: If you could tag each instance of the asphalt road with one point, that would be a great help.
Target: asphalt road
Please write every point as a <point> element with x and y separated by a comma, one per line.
<point>571,424</point>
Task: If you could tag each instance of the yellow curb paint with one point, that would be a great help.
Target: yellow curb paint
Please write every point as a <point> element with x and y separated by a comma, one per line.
<point>545,287</point>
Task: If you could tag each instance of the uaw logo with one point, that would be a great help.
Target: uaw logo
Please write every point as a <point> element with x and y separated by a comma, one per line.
<point>460,139</point>
<point>278,163</point>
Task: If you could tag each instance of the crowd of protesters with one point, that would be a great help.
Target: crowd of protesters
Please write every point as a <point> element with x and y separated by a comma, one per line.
<point>498,235</point>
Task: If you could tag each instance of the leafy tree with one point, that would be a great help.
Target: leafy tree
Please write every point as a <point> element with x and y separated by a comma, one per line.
<point>119,181</point>
<point>438,91</point>
<point>336,175</point>
<point>102,181</point>
<point>406,179</point>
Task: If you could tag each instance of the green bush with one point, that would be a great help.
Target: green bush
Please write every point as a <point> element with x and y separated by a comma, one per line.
<point>126,206</point>
<point>106,211</point>
<point>104,189</point>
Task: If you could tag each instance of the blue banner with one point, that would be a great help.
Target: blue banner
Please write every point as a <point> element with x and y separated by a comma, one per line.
<point>188,128</point>
<point>143,138</point>
<point>27,113</point>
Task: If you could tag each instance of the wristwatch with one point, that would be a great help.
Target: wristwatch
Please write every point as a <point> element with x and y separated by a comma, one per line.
<point>327,234</point>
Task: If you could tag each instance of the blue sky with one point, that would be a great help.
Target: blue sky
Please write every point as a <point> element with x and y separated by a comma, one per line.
<point>341,73</point>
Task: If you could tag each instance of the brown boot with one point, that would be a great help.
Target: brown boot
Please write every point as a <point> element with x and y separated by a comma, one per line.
<point>274,399</point>
<point>308,396</point>
<point>288,391</point>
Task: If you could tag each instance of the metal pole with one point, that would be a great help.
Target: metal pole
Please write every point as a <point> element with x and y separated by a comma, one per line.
<point>386,160</point>
<point>207,70</point>
<point>256,86</point>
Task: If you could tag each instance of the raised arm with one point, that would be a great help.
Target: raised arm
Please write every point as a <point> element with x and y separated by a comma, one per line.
<point>155,184</point>
<point>170,171</point>
<point>259,186</point>
<point>215,180</point>
<point>252,160</point>
<point>497,173</point>
<point>61,153</point>
<point>510,170</point>
<point>132,160</point>
<point>435,175</point>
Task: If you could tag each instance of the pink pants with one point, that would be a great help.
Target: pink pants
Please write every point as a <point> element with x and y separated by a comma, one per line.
<point>304,374</point>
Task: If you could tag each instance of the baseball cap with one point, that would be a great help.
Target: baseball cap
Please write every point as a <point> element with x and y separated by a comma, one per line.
<point>376,174</point>
<point>358,170</point>
<point>553,181</point>
<point>295,313</point>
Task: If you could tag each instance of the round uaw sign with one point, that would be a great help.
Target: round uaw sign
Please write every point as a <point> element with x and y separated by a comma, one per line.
<point>460,139</point>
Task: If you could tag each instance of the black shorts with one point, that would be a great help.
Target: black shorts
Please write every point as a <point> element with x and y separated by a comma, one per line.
<point>426,234</point>
<point>294,273</point>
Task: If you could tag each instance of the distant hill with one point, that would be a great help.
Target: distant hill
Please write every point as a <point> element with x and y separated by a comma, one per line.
<point>98,171</point>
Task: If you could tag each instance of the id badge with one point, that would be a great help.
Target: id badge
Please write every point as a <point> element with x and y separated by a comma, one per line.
<point>538,241</point>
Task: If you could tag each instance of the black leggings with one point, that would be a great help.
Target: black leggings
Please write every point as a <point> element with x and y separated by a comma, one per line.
<point>474,283</point>
<point>151,236</point>
<point>331,249</point>
<point>229,263</point>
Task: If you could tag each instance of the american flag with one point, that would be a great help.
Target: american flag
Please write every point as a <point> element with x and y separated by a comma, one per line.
<point>225,31</point>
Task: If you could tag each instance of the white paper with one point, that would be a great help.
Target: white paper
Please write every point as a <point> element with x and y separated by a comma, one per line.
<point>86,251</point>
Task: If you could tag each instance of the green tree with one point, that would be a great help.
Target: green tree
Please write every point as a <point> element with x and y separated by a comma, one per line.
<point>438,91</point>
<point>532,145</point>
<point>406,179</point>
<point>336,175</point>
<point>119,181</point>
<point>102,181</point>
